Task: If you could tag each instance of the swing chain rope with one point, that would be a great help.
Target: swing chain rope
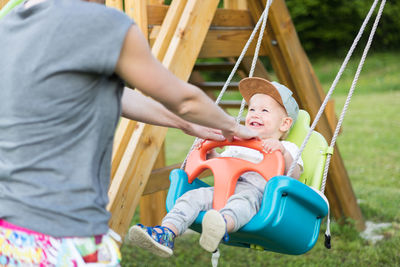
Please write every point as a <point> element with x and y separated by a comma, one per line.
<point>332,88</point>
<point>355,80</point>
<point>239,60</point>
<point>255,57</point>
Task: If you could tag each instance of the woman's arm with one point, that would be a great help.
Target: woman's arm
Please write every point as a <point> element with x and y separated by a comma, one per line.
<point>136,106</point>
<point>138,67</point>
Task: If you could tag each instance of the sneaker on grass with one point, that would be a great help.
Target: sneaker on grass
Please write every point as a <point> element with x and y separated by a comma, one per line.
<point>160,243</point>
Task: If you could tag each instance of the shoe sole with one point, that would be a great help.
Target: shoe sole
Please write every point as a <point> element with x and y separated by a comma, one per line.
<point>141,238</point>
<point>214,228</point>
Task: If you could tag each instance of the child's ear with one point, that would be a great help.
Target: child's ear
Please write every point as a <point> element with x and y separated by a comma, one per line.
<point>286,124</point>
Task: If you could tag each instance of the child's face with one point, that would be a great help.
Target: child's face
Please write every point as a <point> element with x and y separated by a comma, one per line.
<point>267,117</point>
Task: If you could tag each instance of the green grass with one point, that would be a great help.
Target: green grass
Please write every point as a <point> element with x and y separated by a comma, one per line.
<point>380,73</point>
<point>369,145</point>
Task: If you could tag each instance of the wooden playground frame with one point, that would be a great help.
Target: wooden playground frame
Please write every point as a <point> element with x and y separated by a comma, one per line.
<point>180,34</point>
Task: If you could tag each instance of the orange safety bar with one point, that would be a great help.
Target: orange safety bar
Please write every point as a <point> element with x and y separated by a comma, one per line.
<point>227,170</point>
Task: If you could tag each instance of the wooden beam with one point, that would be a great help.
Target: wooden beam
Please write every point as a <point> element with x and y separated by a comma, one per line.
<point>137,9</point>
<point>210,66</point>
<point>122,136</point>
<point>118,4</point>
<point>230,104</point>
<point>155,2</point>
<point>159,178</point>
<point>259,70</point>
<point>152,206</point>
<point>156,14</point>
<point>294,70</point>
<point>221,43</point>
<point>228,43</point>
<point>129,177</point>
<point>216,86</point>
<point>232,18</point>
<point>235,4</point>
<point>168,28</point>
<point>222,18</point>
<point>191,31</point>
<point>3,3</point>
<point>139,157</point>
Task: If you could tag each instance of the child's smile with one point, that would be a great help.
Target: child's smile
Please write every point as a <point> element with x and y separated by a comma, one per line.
<point>265,116</point>
<point>256,124</point>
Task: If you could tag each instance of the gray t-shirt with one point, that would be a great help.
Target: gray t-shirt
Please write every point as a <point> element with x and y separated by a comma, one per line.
<point>59,106</point>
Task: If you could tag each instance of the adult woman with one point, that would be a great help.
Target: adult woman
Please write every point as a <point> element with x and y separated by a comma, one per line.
<point>61,67</point>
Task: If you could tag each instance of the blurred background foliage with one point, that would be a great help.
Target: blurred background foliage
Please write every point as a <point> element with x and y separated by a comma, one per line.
<point>329,26</point>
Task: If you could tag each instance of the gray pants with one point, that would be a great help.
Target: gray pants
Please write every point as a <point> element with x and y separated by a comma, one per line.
<point>241,206</point>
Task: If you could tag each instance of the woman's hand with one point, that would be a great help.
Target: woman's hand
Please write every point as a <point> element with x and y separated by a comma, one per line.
<point>241,132</point>
<point>204,132</point>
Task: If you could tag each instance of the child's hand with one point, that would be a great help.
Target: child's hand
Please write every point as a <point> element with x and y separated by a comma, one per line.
<point>270,145</point>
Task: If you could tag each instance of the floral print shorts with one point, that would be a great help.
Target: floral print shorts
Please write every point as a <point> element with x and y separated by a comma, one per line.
<point>23,247</point>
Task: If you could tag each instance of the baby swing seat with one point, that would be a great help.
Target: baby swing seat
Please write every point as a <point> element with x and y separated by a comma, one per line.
<point>291,211</point>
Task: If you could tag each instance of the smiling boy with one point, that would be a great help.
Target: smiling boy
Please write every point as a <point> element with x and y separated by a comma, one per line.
<point>271,113</point>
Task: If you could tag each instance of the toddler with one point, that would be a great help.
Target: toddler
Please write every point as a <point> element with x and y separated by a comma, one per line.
<point>271,113</point>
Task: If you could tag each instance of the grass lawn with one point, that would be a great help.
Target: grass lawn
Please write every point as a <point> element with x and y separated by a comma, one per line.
<point>369,145</point>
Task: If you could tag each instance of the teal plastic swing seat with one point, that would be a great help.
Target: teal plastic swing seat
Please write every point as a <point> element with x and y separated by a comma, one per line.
<point>290,215</point>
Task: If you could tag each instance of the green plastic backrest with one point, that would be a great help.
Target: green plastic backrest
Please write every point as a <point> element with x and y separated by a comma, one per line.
<point>10,5</point>
<point>314,154</point>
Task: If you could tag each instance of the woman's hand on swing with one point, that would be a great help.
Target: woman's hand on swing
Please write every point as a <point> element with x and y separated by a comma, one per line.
<point>204,132</point>
<point>241,132</point>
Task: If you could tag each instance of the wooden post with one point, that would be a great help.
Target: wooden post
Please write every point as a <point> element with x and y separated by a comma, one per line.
<point>121,139</point>
<point>194,23</point>
<point>168,27</point>
<point>143,147</point>
<point>137,9</point>
<point>152,207</point>
<point>294,70</point>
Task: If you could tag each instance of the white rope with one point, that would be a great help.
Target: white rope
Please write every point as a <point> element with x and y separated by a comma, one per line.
<point>228,81</point>
<point>255,57</point>
<point>260,37</point>
<point>214,258</point>
<point>332,88</point>
<point>353,85</point>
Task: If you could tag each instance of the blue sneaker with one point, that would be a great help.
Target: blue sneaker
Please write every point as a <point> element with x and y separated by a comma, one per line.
<point>160,244</point>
